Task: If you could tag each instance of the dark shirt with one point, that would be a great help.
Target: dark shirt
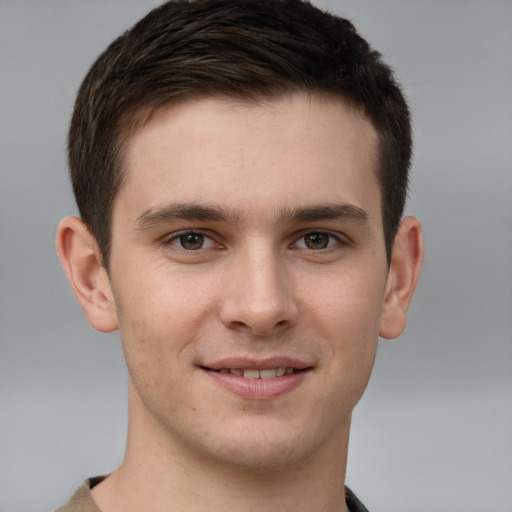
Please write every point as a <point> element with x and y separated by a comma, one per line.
<point>82,500</point>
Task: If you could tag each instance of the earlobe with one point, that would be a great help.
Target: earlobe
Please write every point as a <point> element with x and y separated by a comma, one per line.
<point>404,272</point>
<point>81,259</point>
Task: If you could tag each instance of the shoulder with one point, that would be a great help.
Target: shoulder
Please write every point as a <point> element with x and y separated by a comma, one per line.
<point>82,501</point>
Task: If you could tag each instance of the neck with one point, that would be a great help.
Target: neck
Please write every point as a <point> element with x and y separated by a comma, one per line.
<point>159,474</point>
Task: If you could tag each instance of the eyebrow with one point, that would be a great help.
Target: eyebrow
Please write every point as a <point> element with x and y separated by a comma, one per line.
<point>326,212</point>
<point>184,211</point>
<point>189,211</point>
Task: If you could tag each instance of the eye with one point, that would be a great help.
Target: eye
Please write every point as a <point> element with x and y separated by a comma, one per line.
<point>191,241</point>
<point>317,240</point>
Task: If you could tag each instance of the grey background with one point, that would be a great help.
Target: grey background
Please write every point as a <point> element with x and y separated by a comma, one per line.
<point>433,431</point>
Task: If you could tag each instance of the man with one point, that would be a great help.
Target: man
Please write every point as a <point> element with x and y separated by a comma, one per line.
<point>241,171</point>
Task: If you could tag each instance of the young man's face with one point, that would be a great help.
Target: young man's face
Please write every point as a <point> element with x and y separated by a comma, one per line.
<point>248,239</point>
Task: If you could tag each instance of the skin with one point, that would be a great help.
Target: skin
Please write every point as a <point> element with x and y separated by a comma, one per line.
<point>285,258</point>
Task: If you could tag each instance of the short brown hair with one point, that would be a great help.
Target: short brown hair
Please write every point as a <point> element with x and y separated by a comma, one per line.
<point>245,49</point>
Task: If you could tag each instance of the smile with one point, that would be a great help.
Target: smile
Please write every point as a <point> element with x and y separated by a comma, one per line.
<point>252,373</point>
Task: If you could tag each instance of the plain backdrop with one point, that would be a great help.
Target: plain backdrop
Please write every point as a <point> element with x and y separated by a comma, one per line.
<point>433,431</point>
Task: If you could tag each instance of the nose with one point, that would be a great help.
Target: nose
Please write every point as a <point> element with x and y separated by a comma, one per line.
<point>258,296</point>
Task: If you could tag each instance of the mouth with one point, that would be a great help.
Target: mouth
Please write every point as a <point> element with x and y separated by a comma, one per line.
<point>254,373</point>
<point>258,379</point>
<point>263,380</point>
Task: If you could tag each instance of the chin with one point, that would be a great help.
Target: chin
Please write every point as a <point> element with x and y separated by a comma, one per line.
<point>260,455</point>
<point>260,444</point>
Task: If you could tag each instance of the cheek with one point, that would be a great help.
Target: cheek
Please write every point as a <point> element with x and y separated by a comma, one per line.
<point>159,301</point>
<point>347,318</point>
<point>159,319</point>
<point>348,307</point>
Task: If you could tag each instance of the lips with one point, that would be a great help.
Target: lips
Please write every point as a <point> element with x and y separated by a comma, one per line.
<point>258,380</point>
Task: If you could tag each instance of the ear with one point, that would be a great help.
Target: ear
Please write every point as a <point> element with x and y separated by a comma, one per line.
<point>80,256</point>
<point>404,272</point>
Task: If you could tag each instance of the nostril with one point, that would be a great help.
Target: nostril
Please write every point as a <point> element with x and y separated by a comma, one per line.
<point>280,323</point>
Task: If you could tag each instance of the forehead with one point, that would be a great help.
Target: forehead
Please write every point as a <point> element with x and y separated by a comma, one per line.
<point>253,157</point>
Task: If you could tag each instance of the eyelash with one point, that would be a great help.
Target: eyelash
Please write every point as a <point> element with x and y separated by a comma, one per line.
<point>333,241</point>
<point>179,246</point>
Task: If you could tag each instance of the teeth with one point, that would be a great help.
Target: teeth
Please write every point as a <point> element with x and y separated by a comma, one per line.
<point>270,373</point>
